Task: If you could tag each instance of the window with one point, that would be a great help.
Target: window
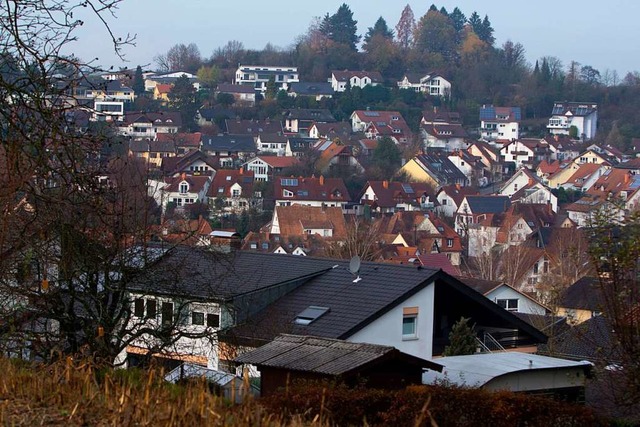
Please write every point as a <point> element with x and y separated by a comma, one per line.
<point>409,323</point>
<point>167,313</point>
<point>508,304</point>
<point>197,318</point>
<point>138,307</point>
<point>151,308</point>
<point>449,243</point>
<point>213,320</point>
<point>310,314</point>
<point>254,245</point>
<point>184,187</point>
<point>536,268</point>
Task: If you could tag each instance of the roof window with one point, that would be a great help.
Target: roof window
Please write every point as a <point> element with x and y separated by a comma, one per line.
<point>310,314</point>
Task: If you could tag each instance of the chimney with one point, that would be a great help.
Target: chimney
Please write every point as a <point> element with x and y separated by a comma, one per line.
<point>549,207</point>
<point>321,179</point>
<point>556,137</point>
<point>241,170</point>
<point>458,186</point>
<point>627,178</point>
<point>531,182</point>
<point>183,176</point>
<point>385,184</point>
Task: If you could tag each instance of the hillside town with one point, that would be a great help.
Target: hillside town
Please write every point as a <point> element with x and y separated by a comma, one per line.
<point>263,220</point>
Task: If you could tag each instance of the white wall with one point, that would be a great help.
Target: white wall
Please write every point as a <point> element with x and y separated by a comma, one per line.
<point>387,329</point>
<point>525,305</point>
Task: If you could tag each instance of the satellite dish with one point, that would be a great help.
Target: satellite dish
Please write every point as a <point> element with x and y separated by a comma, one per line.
<point>354,265</point>
<point>354,268</point>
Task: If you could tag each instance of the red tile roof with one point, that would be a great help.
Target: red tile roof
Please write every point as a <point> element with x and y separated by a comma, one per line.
<point>312,189</point>
<point>226,178</point>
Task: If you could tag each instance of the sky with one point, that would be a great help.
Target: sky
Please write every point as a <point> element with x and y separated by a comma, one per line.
<point>603,35</point>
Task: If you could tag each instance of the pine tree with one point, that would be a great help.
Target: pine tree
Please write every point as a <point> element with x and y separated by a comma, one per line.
<point>487,31</point>
<point>476,23</point>
<point>379,28</point>
<point>462,339</point>
<point>342,27</point>
<point>138,81</point>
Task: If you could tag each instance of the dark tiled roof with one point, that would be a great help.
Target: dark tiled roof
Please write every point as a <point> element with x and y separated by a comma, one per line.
<point>343,76</point>
<point>325,356</point>
<point>488,204</point>
<point>480,285</point>
<point>585,294</point>
<point>591,340</point>
<point>210,275</point>
<point>311,88</point>
<point>441,168</point>
<point>164,118</point>
<point>233,143</point>
<point>319,115</point>
<point>252,127</point>
<point>231,88</point>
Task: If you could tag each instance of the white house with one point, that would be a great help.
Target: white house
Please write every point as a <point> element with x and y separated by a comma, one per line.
<point>430,84</point>
<point>258,76</point>
<point>500,123</point>
<point>340,79</point>
<point>582,115</point>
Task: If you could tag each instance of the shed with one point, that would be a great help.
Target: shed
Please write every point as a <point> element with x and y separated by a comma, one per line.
<point>517,372</point>
<point>230,386</point>
<point>292,357</point>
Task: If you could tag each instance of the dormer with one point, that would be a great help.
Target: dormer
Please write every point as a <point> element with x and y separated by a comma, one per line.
<point>183,188</point>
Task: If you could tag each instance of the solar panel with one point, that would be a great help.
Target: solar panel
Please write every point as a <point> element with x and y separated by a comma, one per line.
<point>292,182</point>
<point>407,188</point>
<point>371,114</point>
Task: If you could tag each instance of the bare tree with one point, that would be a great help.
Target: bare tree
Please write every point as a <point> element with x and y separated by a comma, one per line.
<point>362,240</point>
<point>180,57</point>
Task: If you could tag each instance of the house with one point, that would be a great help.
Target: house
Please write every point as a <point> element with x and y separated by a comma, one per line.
<point>385,123</point>
<point>303,220</point>
<point>583,116</point>
<point>185,190</point>
<point>232,191</point>
<point>471,166</point>
<point>328,192</point>
<point>563,147</point>
<point>525,152</point>
<point>389,197</point>
<point>110,90</point>
<point>336,156</point>
<point>290,358</point>
<point>315,90</point>
<point>584,177</point>
<point>265,168</point>
<point>340,79</point>
<point>257,76</point>
<point>431,84</point>
<point>572,175</point>
<point>524,267</point>
<point>583,300</point>
<point>523,178</point>
<point>213,118</point>
<point>184,142</point>
<point>137,125</point>
<point>340,130</point>
<point>107,111</point>
<point>545,169</point>
<point>253,127</point>
<point>435,169</point>
<point>516,372</point>
<point>536,194</point>
<point>475,209</point>
<point>440,116</point>
<point>447,137</point>
<point>500,123</point>
<point>490,158</point>
<point>414,315</point>
<point>299,147</point>
<point>271,143</point>
<point>232,149</point>
<point>505,296</point>
<point>152,80</point>
<point>190,232</point>
<point>161,92</point>
<point>450,197</point>
<point>243,95</point>
<point>195,162</point>
<point>301,119</point>
<point>153,152</point>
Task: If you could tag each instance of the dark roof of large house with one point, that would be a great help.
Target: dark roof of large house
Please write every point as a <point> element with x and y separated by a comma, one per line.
<point>488,204</point>
<point>481,285</point>
<point>592,340</point>
<point>326,356</point>
<point>311,88</point>
<point>345,75</point>
<point>574,108</point>
<point>209,275</point>
<point>234,143</point>
<point>441,117</point>
<point>352,306</point>
<point>231,88</point>
<point>252,127</point>
<point>440,168</point>
<point>163,118</point>
<point>177,164</point>
<point>585,294</point>
<point>316,114</point>
<point>500,114</point>
<point>389,194</point>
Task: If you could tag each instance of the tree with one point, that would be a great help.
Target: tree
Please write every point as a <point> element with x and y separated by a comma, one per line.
<point>180,57</point>
<point>208,76</point>
<point>462,339</point>
<point>182,98</point>
<point>405,28</point>
<point>138,81</point>
<point>361,240</point>
<point>435,34</point>
<point>379,28</point>
<point>272,89</point>
<point>458,19</point>
<point>341,28</point>
<point>386,158</point>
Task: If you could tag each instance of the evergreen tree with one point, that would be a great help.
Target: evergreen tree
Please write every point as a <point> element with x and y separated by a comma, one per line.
<point>462,339</point>
<point>341,27</point>
<point>435,34</point>
<point>379,28</point>
<point>182,98</point>
<point>433,8</point>
<point>458,19</point>
<point>487,31</point>
<point>272,89</point>
<point>476,23</point>
<point>443,10</point>
<point>386,157</point>
<point>138,81</point>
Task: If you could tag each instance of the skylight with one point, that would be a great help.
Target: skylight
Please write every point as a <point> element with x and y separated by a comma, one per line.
<point>310,314</point>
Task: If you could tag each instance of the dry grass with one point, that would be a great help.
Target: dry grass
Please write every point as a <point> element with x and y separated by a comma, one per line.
<point>70,393</point>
